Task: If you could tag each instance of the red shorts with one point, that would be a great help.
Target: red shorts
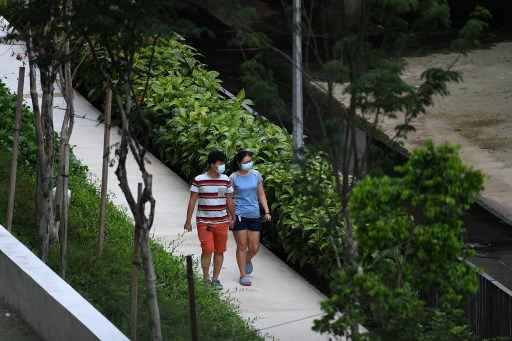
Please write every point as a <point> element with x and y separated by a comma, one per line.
<point>213,237</point>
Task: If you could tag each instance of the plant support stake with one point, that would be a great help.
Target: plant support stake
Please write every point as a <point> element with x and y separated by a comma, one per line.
<point>134,305</point>
<point>104,172</point>
<point>192,299</point>
<point>15,140</point>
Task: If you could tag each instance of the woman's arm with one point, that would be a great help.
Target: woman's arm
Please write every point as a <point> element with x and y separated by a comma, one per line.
<point>262,197</point>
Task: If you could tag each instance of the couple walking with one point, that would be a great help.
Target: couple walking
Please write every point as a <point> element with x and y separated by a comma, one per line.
<point>228,203</point>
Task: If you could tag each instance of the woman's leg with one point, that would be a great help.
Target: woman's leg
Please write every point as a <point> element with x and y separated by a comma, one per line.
<point>253,238</point>
<point>241,250</point>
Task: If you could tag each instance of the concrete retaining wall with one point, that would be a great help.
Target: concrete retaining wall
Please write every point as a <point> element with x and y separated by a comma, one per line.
<point>47,303</point>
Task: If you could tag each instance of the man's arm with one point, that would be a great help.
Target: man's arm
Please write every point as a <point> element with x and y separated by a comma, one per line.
<point>190,210</point>
<point>230,203</point>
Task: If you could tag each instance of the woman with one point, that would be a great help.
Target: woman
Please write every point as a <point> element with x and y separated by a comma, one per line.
<point>249,197</point>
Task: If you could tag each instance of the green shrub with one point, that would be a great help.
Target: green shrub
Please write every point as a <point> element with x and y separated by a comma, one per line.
<point>105,281</point>
<point>411,283</point>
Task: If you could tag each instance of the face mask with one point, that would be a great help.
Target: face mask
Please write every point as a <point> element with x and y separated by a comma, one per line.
<point>221,168</point>
<point>246,166</point>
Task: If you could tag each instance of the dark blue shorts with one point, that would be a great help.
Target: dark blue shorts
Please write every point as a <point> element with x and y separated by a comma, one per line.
<point>251,224</point>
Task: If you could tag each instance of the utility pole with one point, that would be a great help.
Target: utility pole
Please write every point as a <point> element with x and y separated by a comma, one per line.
<point>297,103</point>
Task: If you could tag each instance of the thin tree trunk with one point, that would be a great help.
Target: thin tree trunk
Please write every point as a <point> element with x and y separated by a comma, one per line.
<point>15,141</point>
<point>104,173</point>
<point>142,222</point>
<point>42,203</point>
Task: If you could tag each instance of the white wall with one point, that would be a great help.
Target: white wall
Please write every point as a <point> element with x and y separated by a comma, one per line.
<point>48,304</point>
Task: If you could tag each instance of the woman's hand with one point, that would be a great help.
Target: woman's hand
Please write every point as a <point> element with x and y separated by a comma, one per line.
<point>268,217</point>
<point>232,222</point>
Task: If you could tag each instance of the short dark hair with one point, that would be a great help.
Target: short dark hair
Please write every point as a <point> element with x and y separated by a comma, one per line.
<point>238,159</point>
<point>216,155</point>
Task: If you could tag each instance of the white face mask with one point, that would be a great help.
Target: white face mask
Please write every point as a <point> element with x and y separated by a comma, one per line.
<point>221,168</point>
<point>246,166</point>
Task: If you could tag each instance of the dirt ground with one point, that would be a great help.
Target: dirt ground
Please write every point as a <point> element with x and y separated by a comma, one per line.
<point>477,116</point>
<point>480,107</point>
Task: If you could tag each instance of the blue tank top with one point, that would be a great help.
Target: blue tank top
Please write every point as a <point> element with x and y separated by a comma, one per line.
<point>246,194</point>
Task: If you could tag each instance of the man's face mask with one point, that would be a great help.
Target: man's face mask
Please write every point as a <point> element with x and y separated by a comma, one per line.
<point>221,168</point>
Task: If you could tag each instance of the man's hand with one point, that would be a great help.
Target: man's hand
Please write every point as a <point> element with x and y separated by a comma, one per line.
<point>188,226</point>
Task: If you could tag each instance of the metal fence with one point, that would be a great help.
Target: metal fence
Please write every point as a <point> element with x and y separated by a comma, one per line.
<point>490,309</point>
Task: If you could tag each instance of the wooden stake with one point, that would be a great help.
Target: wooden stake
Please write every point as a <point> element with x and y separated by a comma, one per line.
<point>15,141</point>
<point>192,299</point>
<point>135,275</point>
<point>104,173</point>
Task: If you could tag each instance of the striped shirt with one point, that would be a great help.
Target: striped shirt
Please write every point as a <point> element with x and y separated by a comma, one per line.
<point>211,205</point>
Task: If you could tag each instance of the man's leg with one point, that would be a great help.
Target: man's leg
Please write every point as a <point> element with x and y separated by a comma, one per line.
<point>207,244</point>
<point>220,238</point>
<point>218,259</point>
<point>241,250</point>
<point>206,260</point>
<point>253,238</point>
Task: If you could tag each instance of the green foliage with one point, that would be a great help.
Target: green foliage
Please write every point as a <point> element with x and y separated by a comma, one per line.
<point>471,34</point>
<point>308,205</point>
<point>260,82</point>
<point>411,284</point>
<point>27,145</point>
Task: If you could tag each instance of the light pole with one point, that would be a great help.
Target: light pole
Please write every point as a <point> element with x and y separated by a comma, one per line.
<point>297,102</point>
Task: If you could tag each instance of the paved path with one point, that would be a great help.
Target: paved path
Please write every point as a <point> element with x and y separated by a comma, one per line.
<point>278,295</point>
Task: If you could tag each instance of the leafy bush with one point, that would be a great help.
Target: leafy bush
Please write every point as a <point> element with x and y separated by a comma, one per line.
<point>105,281</point>
<point>411,284</point>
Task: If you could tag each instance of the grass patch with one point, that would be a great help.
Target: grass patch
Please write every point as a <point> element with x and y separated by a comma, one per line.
<point>105,281</point>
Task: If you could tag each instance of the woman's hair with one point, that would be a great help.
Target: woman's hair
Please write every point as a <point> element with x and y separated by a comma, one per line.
<point>235,165</point>
<point>214,156</point>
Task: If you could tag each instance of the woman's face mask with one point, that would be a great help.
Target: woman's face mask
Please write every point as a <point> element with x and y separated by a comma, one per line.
<point>246,166</point>
<point>221,168</point>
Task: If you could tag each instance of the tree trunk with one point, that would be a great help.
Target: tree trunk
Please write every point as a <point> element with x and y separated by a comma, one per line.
<point>143,223</point>
<point>45,134</point>
<point>66,131</point>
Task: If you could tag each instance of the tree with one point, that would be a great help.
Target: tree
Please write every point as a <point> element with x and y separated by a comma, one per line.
<point>412,282</point>
<point>44,27</point>
<point>137,25</point>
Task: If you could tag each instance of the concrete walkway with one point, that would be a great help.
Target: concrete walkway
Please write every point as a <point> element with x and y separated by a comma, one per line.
<point>280,303</point>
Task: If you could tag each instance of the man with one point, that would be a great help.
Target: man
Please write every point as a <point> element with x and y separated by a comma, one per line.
<point>213,193</point>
